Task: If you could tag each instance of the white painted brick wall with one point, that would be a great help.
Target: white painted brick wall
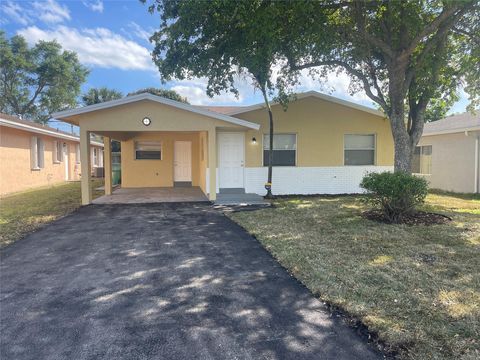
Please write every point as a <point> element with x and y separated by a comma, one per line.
<point>307,180</point>
<point>310,180</point>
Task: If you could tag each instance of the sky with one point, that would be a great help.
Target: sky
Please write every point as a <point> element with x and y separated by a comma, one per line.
<point>111,40</point>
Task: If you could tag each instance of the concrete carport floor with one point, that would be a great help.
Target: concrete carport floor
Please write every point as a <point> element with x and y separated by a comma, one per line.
<point>159,281</point>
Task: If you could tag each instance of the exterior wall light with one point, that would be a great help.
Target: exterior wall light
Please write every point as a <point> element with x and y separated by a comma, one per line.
<point>146,121</point>
<point>254,140</point>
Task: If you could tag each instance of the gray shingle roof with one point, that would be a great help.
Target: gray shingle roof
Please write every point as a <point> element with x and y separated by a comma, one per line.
<point>453,123</point>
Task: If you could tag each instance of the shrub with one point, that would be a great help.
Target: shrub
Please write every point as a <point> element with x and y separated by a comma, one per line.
<point>396,194</point>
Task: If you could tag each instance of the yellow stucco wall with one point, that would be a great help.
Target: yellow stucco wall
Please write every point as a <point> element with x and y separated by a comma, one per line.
<point>320,127</point>
<point>15,166</point>
<point>453,161</point>
<point>128,117</point>
<point>157,173</point>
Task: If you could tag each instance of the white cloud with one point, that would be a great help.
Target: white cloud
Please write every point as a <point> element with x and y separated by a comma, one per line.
<point>15,12</point>
<point>95,5</point>
<point>195,91</point>
<point>48,11</point>
<point>97,47</point>
<point>138,31</point>
<point>51,12</point>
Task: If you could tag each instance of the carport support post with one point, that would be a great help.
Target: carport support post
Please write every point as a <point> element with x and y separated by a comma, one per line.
<point>107,164</point>
<point>212,164</point>
<point>85,166</point>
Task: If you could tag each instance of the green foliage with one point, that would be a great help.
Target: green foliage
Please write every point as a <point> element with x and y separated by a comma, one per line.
<point>223,41</point>
<point>396,194</point>
<point>37,81</point>
<point>169,94</point>
<point>99,95</point>
<point>410,57</point>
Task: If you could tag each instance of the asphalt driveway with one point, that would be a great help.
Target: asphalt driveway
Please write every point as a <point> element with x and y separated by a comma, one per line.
<point>163,281</point>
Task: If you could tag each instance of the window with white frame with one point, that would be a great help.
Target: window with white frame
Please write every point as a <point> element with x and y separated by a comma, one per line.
<point>37,150</point>
<point>284,149</point>
<point>422,160</point>
<point>77,153</point>
<point>359,149</point>
<point>148,150</point>
<point>95,157</point>
<point>57,151</point>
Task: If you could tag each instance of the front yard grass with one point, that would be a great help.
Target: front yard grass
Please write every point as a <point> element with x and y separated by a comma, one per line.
<point>24,212</point>
<point>416,287</point>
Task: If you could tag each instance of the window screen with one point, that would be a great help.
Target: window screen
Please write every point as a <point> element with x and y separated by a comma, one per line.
<point>57,152</point>
<point>422,160</point>
<point>37,150</point>
<point>148,150</point>
<point>284,149</point>
<point>359,150</point>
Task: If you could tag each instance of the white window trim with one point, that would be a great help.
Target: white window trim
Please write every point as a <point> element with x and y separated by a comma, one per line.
<point>56,145</point>
<point>35,155</point>
<point>296,148</point>
<point>94,158</point>
<point>374,148</point>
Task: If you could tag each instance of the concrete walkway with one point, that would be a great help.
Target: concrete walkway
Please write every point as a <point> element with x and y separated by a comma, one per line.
<point>158,281</point>
<point>152,195</point>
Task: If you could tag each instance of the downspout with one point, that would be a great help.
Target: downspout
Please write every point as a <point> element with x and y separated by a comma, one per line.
<point>477,175</point>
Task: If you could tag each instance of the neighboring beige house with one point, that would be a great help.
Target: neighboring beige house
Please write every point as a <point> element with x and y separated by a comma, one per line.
<point>322,144</point>
<point>448,153</point>
<point>32,155</point>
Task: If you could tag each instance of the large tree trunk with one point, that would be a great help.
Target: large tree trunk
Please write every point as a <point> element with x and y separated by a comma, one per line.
<point>403,156</point>
<point>402,142</point>
<point>269,194</point>
<point>268,187</point>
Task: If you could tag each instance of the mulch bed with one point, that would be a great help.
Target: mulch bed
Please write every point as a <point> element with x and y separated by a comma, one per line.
<point>418,218</point>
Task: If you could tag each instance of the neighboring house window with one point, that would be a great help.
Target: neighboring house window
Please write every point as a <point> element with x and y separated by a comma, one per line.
<point>148,150</point>
<point>284,149</point>
<point>77,153</point>
<point>57,152</point>
<point>37,150</point>
<point>95,156</point>
<point>422,160</point>
<point>359,149</point>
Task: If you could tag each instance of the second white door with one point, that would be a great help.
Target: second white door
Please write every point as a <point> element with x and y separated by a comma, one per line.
<point>182,161</point>
<point>231,158</point>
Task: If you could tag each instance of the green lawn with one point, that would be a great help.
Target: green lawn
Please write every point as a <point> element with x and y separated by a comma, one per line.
<point>416,287</point>
<point>24,212</point>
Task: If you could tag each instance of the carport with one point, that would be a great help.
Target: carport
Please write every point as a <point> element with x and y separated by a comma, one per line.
<point>165,144</point>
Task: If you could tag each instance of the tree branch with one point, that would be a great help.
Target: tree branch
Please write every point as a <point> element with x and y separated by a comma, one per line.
<point>445,15</point>
<point>359,14</point>
<point>362,77</point>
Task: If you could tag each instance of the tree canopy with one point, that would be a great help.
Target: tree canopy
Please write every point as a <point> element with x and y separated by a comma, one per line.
<point>220,41</point>
<point>410,57</point>
<point>169,94</point>
<point>99,95</point>
<point>37,81</point>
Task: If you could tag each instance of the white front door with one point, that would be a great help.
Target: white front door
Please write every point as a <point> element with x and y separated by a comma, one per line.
<point>231,159</point>
<point>65,161</point>
<point>182,161</point>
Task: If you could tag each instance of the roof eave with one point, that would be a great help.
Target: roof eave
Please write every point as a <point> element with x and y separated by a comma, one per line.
<point>314,94</point>
<point>452,131</point>
<point>48,132</point>
<point>64,115</point>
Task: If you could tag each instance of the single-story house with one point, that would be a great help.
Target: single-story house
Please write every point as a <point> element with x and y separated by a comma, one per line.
<point>321,145</point>
<point>447,155</point>
<point>33,155</point>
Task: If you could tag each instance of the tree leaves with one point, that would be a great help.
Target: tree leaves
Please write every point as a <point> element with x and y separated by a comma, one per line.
<point>37,81</point>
